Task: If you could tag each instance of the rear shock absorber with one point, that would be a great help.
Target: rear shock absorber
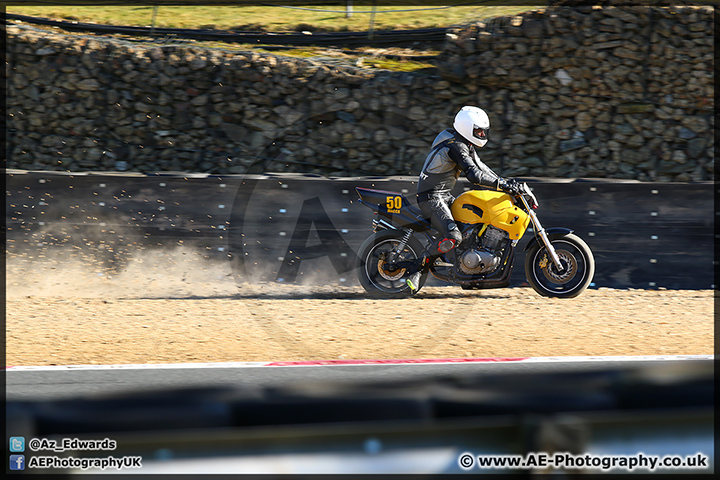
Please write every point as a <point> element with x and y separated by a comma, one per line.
<point>401,246</point>
<point>403,243</point>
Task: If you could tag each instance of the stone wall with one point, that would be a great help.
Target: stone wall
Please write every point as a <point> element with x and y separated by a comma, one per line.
<point>624,92</point>
<point>571,92</point>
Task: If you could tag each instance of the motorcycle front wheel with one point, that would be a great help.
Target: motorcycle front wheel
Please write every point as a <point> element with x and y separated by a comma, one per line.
<point>374,254</point>
<point>570,281</point>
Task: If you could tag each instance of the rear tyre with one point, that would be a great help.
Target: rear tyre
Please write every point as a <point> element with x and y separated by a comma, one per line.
<point>372,257</point>
<point>577,273</point>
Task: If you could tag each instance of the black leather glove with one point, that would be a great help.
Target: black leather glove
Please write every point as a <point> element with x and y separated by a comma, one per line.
<point>509,186</point>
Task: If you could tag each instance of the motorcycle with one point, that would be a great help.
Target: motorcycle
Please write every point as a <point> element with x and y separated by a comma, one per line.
<point>558,263</point>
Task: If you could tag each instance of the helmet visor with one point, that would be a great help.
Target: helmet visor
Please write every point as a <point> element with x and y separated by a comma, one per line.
<point>481,133</point>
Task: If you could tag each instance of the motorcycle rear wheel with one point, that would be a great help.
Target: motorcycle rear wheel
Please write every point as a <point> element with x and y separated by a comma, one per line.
<point>373,278</point>
<point>578,271</point>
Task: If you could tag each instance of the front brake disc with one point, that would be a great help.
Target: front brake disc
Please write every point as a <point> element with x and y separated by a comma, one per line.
<point>560,278</point>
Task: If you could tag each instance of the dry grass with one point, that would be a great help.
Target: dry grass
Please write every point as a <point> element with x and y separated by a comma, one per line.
<point>273,19</point>
<point>280,19</point>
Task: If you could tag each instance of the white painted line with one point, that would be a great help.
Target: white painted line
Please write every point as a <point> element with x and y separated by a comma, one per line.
<point>620,358</point>
<point>142,366</point>
<point>161,366</point>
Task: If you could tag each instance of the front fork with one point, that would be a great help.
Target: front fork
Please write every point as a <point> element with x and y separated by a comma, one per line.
<point>543,236</point>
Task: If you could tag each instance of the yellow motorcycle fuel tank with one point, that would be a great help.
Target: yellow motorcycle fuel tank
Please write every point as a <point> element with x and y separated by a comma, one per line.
<point>491,208</point>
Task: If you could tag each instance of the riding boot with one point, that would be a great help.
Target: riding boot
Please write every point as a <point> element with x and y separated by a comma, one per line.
<point>417,271</point>
<point>413,281</point>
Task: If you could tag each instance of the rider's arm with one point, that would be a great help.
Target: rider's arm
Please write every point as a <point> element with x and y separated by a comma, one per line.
<point>462,156</point>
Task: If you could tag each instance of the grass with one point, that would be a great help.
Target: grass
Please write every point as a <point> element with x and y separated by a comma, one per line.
<point>273,19</point>
<point>279,19</point>
<point>363,58</point>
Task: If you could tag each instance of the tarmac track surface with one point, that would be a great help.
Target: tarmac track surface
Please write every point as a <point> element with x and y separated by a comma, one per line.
<point>57,383</point>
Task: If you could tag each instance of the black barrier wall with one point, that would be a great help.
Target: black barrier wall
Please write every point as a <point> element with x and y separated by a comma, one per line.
<point>304,229</point>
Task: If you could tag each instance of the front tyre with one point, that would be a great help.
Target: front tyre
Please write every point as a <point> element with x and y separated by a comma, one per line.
<point>577,272</point>
<point>373,262</point>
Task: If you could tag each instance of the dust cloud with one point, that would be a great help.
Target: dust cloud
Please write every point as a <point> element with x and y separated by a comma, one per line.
<point>169,272</point>
<point>112,261</point>
<point>162,273</point>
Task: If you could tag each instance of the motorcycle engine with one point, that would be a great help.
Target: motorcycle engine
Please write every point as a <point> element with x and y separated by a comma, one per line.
<point>484,255</point>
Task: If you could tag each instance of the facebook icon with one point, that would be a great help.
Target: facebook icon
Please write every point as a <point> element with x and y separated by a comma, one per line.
<point>17,462</point>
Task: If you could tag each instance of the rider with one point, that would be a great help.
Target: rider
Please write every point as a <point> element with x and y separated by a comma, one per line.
<point>453,151</point>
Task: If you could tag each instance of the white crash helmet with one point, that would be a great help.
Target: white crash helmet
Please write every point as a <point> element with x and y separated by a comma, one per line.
<point>473,124</point>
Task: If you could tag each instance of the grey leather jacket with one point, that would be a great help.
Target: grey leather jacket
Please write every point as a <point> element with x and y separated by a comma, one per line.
<point>450,155</point>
